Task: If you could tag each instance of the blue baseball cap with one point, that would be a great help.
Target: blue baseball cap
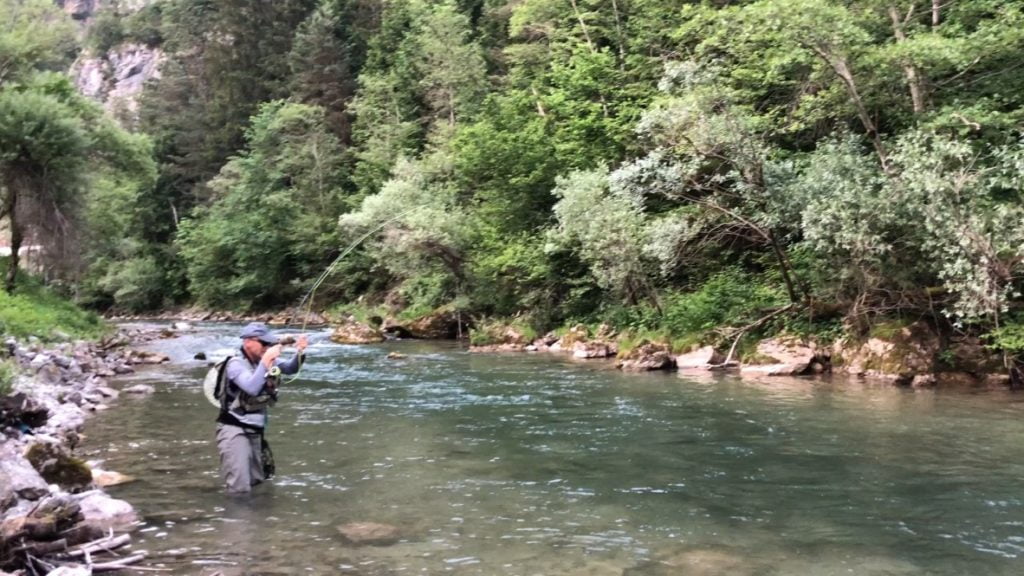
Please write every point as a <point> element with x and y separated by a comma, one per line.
<point>259,331</point>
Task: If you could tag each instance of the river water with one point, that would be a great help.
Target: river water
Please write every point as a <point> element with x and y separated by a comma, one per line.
<point>538,465</point>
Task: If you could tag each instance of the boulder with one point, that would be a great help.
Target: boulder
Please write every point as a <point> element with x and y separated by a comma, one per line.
<point>147,357</point>
<point>699,359</point>
<point>439,326</point>
<point>497,338</point>
<point>351,331</point>
<point>102,511</point>
<point>18,479</point>
<point>898,355</point>
<point>369,534</point>
<point>57,466</point>
<point>64,417</point>
<point>19,409</point>
<point>588,350</point>
<point>646,357</point>
<point>781,357</point>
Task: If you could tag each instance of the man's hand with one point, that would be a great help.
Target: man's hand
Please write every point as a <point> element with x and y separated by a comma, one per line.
<point>270,355</point>
<point>301,343</point>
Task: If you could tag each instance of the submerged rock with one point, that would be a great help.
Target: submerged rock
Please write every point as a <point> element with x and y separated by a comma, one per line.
<point>369,534</point>
<point>696,562</point>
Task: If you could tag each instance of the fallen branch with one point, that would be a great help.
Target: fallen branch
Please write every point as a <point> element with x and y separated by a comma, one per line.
<point>118,564</point>
<point>740,332</point>
<point>105,544</point>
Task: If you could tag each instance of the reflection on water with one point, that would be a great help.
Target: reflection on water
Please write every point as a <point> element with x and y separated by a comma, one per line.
<point>525,465</point>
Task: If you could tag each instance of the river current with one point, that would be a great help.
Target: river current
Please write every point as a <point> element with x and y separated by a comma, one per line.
<point>534,464</point>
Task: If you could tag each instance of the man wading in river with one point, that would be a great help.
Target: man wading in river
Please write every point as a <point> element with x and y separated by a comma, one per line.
<point>251,388</point>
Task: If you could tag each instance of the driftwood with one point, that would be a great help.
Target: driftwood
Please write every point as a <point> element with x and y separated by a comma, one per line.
<point>105,544</point>
<point>119,563</point>
<point>40,556</point>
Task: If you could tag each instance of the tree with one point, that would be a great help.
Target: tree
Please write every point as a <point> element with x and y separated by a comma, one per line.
<point>322,68</point>
<point>34,35</point>
<point>272,223</point>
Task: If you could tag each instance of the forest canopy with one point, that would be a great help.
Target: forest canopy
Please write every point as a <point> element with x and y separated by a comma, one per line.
<point>668,167</point>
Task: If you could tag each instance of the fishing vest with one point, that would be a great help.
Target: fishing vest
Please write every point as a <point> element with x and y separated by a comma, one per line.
<point>234,399</point>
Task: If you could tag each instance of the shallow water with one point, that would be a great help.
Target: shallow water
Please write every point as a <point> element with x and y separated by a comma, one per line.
<point>535,464</point>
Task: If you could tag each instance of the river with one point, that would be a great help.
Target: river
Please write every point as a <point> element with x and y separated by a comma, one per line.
<point>534,464</point>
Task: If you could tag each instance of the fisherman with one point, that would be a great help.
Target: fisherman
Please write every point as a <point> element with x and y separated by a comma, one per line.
<point>251,381</point>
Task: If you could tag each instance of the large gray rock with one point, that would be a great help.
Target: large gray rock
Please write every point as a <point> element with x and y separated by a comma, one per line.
<point>64,417</point>
<point>102,511</point>
<point>700,359</point>
<point>18,479</point>
<point>647,357</point>
<point>781,357</point>
<point>595,349</point>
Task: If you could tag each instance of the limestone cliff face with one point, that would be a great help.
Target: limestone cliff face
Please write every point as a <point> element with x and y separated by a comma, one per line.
<point>116,78</point>
<point>79,9</point>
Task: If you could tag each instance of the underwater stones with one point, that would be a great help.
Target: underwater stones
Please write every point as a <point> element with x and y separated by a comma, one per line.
<point>695,562</point>
<point>369,534</point>
<point>139,390</point>
<point>104,478</point>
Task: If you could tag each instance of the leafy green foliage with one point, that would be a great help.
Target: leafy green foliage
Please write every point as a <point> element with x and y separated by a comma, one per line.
<point>271,226</point>
<point>34,310</point>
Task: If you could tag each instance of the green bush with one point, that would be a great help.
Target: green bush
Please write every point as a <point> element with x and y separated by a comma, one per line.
<point>730,298</point>
<point>107,31</point>
<point>35,310</point>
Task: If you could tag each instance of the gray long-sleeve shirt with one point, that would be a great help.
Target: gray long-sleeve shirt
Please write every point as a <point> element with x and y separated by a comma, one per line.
<point>250,378</point>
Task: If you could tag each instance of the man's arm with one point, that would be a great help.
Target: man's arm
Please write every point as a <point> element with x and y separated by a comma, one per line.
<point>292,366</point>
<point>247,380</point>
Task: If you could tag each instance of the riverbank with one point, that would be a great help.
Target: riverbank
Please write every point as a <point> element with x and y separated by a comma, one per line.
<point>919,354</point>
<point>55,517</point>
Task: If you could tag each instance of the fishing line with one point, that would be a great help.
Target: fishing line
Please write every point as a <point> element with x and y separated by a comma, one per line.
<point>311,293</point>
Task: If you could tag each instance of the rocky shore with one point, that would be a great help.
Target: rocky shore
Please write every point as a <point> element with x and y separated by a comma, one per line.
<point>916,355</point>
<point>55,517</point>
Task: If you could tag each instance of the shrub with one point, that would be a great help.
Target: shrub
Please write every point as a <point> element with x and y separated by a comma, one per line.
<point>35,310</point>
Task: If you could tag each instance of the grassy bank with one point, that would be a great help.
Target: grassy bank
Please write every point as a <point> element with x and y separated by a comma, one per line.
<point>36,310</point>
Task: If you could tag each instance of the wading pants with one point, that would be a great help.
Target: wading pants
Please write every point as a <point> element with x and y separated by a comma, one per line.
<point>240,465</point>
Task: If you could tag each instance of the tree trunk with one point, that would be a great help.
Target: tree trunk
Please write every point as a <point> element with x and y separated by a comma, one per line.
<point>10,206</point>
<point>914,80</point>
<point>842,69</point>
